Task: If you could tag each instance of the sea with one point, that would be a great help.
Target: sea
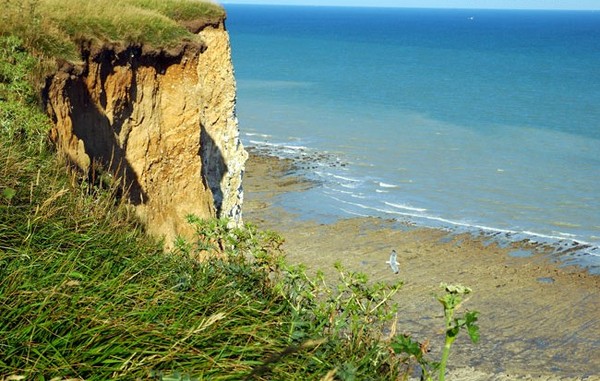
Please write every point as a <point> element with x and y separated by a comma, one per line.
<point>481,121</point>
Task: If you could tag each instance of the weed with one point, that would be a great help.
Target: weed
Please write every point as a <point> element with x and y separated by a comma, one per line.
<point>452,300</point>
<point>412,350</point>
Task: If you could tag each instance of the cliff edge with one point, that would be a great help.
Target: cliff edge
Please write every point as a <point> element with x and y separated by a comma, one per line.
<point>161,121</point>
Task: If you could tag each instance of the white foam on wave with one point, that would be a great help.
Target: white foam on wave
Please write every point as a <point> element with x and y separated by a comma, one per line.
<point>544,237</point>
<point>368,207</point>
<point>565,235</point>
<point>354,213</point>
<point>343,178</point>
<point>338,190</point>
<point>300,148</point>
<point>279,145</point>
<point>407,207</point>
<point>349,186</point>
<point>386,185</point>
<point>470,226</point>
<point>257,134</point>
<point>559,237</point>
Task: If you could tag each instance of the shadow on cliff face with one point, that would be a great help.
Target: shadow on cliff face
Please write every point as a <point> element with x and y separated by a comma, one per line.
<point>213,167</point>
<point>100,106</point>
<point>91,124</point>
<point>94,128</point>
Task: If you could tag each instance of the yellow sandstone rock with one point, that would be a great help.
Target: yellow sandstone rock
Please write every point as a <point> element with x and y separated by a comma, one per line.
<point>161,120</point>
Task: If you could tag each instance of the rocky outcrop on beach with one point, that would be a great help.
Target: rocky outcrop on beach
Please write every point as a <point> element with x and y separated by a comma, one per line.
<point>161,121</point>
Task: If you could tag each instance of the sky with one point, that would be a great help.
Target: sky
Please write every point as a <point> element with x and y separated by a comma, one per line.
<point>497,4</point>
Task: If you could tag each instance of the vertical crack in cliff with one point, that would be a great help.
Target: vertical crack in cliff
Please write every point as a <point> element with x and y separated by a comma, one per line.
<point>161,121</point>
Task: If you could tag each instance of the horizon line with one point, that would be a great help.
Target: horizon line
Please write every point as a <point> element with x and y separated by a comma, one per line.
<point>414,7</point>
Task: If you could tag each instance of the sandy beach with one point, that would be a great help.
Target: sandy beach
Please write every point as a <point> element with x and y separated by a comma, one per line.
<point>539,320</point>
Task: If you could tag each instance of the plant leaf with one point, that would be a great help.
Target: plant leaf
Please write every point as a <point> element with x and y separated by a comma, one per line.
<point>77,275</point>
<point>472,328</point>
<point>405,344</point>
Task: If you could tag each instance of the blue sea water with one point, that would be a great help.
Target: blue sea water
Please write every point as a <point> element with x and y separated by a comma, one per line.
<point>471,120</point>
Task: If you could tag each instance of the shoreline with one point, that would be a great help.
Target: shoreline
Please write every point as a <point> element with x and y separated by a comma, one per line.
<point>537,318</point>
<point>567,250</point>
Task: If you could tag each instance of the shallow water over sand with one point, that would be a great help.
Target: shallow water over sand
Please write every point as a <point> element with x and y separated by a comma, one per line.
<point>536,318</point>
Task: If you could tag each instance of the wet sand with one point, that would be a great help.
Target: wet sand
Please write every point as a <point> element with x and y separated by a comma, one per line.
<point>539,320</point>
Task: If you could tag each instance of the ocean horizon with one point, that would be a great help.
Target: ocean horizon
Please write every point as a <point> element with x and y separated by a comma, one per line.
<point>467,120</point>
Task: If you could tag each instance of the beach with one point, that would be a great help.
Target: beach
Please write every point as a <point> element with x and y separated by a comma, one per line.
<point>538,318</point>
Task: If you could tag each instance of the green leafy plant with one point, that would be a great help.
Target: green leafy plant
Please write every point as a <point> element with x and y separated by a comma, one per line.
<point>414,351</point>
<point>351,314</point>
<point>452,300</point>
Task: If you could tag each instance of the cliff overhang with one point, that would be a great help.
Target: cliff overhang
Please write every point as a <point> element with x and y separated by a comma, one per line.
<point>161,120</point>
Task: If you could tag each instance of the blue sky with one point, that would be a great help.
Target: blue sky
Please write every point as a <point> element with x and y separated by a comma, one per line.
<point>502,4</point>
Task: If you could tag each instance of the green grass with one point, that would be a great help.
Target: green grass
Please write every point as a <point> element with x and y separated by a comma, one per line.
<point>85,294</point>
<point>53,29</point>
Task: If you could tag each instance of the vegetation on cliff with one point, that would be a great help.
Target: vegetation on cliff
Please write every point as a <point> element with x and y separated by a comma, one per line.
<point>54,29</point>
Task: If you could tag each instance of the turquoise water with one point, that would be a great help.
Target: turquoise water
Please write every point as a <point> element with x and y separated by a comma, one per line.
<point>471,120</point>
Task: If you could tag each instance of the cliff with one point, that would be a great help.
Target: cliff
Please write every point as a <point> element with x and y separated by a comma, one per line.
<point>161,121</point>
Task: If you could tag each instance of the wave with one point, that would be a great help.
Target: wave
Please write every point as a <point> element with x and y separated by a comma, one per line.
<point>559,237</point>
<point>279,145</point>
<point>257,134</point>
<point>400,206</point>
<point>566,235</point>
<point>471,226</point>
<point>299,148</point>
<point>349,186</point>
<point>354,213</point>
<point>338,190</point>
<point>344,178</point>
<point>262,143</point>
<point>369,207</point>
<point>386,185</point>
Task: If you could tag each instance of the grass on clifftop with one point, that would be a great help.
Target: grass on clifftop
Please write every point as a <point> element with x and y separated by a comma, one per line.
<point>52,29</point>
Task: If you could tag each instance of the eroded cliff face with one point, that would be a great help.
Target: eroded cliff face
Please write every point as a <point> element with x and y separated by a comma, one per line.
<point>162,121</point>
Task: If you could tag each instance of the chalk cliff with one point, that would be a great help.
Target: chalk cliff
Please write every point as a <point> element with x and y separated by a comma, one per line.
<point>163,121</point>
